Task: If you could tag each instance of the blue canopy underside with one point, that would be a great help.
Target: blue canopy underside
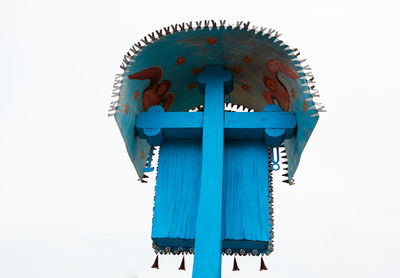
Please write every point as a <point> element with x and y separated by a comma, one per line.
<point>182,55</point>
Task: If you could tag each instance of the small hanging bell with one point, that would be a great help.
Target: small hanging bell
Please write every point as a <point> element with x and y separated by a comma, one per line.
<point>262,265</point>
<point>235,265</point>
<point>155,264</point>
<point>182,267</point>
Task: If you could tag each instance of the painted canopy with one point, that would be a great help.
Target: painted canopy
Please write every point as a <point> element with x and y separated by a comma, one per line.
<point>162,70</point>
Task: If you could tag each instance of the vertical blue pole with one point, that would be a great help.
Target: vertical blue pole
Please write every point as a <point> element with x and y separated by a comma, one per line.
<point>208,237</point>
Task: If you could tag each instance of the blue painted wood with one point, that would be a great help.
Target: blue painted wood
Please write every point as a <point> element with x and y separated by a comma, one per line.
<point>246,193</point>
<point>177,193</point>
<point>208,238</point>
<point>154,136</point>
<point>286,120</point>
<point>274,137</point>
<point>169,120</point>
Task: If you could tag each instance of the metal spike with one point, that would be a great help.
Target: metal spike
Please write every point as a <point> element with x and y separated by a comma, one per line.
<point>206,22</point>
<point>152,36</point>
<point>314,115</point>
<point>284,156</point>
<point>222,23</point>
<point>189,25</point>
<point>198,24</point>
<point>174,27</point>
<point>287,181</point>
<point>284,162</point>
<point>238,24</point>
<point>138,45</point>
<point>214,24</point>
<point>182,26</point>
<point>145,176</point>
<point>270,31</point>
<point>285,175</point>
<point>166,30</point>
<point>159,33</point>
<point>277,35</point>
<point>262,29</point>
<point>321,109</point>
<point>246,25</point>
<point>122,66</point>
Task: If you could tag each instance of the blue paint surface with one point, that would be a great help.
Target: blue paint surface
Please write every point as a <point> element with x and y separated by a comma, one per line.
<point>208,238</point>
<point>245,223</point>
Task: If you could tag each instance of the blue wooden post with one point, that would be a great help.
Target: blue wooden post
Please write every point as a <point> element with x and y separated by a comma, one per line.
<point>208,240</point>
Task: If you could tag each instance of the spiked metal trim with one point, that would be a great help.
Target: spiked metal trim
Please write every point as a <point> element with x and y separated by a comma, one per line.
<point>136,48</point>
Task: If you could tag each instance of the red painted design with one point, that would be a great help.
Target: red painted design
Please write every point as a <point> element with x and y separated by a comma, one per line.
<point>305,106</point>
<point>245,87</point>
<point>293,93</point>
<point>275,90</point>
<point>211,40</point>
<point>247,60</point>
<point>191,85</point>
<point>136,94</point>
<point>180,61</point>
<point>236,69</point>
<point>142,155</point>
<point>157,92</point>
<point>196,71</point>
<point>126,109</point>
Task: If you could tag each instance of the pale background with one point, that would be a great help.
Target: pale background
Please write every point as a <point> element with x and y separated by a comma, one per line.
<point>70,203</point>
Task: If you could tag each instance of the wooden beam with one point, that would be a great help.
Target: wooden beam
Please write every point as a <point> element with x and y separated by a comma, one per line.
<point>208,237</point>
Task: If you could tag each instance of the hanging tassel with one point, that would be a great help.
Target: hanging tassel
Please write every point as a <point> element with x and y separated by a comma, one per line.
<point>262,265</point>
<point>182,267</point>
<point>235,265</point>
<point>155,264</point>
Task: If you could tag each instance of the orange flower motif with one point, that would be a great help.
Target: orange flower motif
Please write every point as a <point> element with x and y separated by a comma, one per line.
<point>126,109</point>
<point>247,60</point>
<point>191,85</point>
<point>305,106</point>
<point>289,155</point>
<point>196,71</point>
<point>142,155</point>
<point>293,93</point>
<point>245,87</point>
<point>180,61</point>
<point>211,40</point>
<point>136,94</point>
<point>236,70</point>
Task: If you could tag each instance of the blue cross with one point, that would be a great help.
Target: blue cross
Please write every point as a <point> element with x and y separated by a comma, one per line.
<point>213,126</point>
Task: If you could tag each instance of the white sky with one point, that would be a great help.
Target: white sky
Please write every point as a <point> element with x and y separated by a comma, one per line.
<point>70,205</point>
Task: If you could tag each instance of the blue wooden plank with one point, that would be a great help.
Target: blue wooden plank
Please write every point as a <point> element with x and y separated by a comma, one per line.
<point>246,211</point>
<point>177,193</point>
<point>262,120</point>
<point>169,120</point>
<point>208,240</point>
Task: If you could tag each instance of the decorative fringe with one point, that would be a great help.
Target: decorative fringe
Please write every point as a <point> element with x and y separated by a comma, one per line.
<point>271,34</point>
<point>235,265</point>
<point>262,265</point>
<point>155,264</point>
<point>182,266</point>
